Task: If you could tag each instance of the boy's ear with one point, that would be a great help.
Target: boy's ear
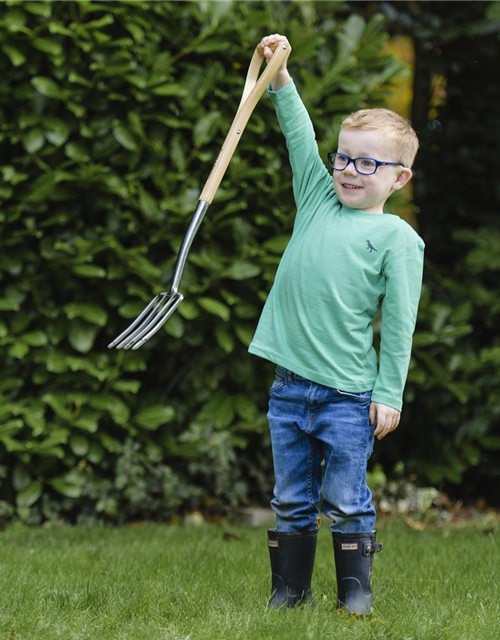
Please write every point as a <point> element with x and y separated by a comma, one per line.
<point>404,176</point>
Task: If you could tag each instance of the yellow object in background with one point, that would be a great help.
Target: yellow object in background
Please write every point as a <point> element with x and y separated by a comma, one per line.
<point>402,47</point>
<point>401,101</point>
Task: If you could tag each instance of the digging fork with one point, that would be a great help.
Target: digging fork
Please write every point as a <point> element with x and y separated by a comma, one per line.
<point>159,310</point>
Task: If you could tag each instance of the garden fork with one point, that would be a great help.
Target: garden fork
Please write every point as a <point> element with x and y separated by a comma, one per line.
<point>159,310</point>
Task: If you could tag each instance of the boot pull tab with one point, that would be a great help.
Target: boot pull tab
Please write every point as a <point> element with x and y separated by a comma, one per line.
<point>371,547</point>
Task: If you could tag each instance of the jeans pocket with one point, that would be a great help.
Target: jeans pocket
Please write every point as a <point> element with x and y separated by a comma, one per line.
<point>360,397</point>
<point>279,379</point>
<point>277,384</point>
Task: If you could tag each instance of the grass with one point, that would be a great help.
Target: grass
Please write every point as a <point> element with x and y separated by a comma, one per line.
<point>154,582</point>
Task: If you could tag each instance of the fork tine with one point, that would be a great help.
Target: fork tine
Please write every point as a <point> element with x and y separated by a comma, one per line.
<point>146,323</point>
<point>155,323</point>
<point>130,338</point>
<point>168,312</point>
<point>151,321</point>
<point>130,328</point>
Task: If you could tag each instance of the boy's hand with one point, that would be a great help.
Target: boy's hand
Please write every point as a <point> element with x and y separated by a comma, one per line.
<point>270,43</point>
<point>387,419</point>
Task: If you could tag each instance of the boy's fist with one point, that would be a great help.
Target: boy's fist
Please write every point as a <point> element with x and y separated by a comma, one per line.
<point>269,45</point>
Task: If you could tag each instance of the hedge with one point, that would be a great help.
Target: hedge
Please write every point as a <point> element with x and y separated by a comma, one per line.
<point>113,114</point>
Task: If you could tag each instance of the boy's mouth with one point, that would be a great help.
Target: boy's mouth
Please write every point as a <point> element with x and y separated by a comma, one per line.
<point>346,185</point>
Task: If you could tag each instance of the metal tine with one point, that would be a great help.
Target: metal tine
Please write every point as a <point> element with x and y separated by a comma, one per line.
<point>155,300</point>
<point>147,330</point>
<point>163,299</point>
<point>150,321</point>
<point>160,324</point>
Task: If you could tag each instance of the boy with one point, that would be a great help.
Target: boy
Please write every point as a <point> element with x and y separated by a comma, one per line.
<point>344,256</point>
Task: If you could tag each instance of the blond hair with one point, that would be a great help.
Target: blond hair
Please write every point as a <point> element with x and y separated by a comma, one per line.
<point>396,128</point>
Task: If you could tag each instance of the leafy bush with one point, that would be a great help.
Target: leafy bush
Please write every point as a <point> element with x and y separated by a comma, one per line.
<point>114,114</point>
<point>456,373</point>
<point>113,117</point>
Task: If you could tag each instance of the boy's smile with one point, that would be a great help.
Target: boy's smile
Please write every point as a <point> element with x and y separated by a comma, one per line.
<point>368,192</point>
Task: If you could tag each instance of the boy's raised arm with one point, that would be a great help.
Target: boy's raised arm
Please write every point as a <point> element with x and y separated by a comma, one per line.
<point>310,175</point>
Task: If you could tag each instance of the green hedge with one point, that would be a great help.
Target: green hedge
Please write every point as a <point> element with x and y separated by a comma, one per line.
<point>112,116</point>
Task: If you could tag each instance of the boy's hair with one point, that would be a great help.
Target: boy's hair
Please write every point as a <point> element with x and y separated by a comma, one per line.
<point>391,124</point>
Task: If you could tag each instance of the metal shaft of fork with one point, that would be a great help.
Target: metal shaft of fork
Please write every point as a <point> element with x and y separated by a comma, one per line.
<point>199,214</point>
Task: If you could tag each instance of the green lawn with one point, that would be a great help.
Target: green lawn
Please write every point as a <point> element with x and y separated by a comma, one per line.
<point>154,582</point>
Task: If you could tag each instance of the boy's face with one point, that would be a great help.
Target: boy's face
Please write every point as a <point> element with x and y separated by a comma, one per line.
<point>368,193</point>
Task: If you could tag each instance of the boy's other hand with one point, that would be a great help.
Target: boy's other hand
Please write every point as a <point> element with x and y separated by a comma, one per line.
<point>269,44</point>
<point>387,419</point>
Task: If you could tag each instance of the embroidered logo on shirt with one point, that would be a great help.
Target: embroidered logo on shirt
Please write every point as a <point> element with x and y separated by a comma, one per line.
<point>370,246</point>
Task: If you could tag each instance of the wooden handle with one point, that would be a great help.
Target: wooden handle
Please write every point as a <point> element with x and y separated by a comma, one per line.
<point>253,90</point>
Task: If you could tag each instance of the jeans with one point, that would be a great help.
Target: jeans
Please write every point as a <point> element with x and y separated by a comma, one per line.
<point>309,423</point>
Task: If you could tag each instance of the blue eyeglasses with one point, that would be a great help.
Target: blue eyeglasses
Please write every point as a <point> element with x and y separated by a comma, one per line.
<point>365,166</point>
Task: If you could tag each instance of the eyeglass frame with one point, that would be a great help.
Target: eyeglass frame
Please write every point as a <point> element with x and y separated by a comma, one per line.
<point>353,160</point>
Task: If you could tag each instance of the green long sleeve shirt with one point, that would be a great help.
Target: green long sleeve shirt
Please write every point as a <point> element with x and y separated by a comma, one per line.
<point>338,265</point>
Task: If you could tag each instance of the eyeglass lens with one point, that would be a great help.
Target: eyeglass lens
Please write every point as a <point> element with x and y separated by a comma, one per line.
<point>363,165</point>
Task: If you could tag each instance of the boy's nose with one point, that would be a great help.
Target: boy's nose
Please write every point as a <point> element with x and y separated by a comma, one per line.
<point>350,169</point>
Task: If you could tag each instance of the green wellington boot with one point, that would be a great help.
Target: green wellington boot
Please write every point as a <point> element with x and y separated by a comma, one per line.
<point>353,564</point>
<point>292,561</point>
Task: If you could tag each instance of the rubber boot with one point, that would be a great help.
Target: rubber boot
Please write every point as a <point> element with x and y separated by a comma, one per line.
<point>353,564</point>
<point>292,561</point>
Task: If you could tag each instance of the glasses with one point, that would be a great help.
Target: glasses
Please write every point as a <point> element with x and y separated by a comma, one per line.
<point>365,166</point>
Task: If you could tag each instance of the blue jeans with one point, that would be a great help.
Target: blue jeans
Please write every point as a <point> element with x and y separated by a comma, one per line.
<point>309,423</point>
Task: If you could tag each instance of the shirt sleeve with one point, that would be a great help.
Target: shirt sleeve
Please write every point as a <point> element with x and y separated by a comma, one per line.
<point>310,175</point>
<point>403,272</point>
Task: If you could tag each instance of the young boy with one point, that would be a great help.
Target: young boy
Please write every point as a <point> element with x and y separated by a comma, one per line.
<point>329,400</point>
